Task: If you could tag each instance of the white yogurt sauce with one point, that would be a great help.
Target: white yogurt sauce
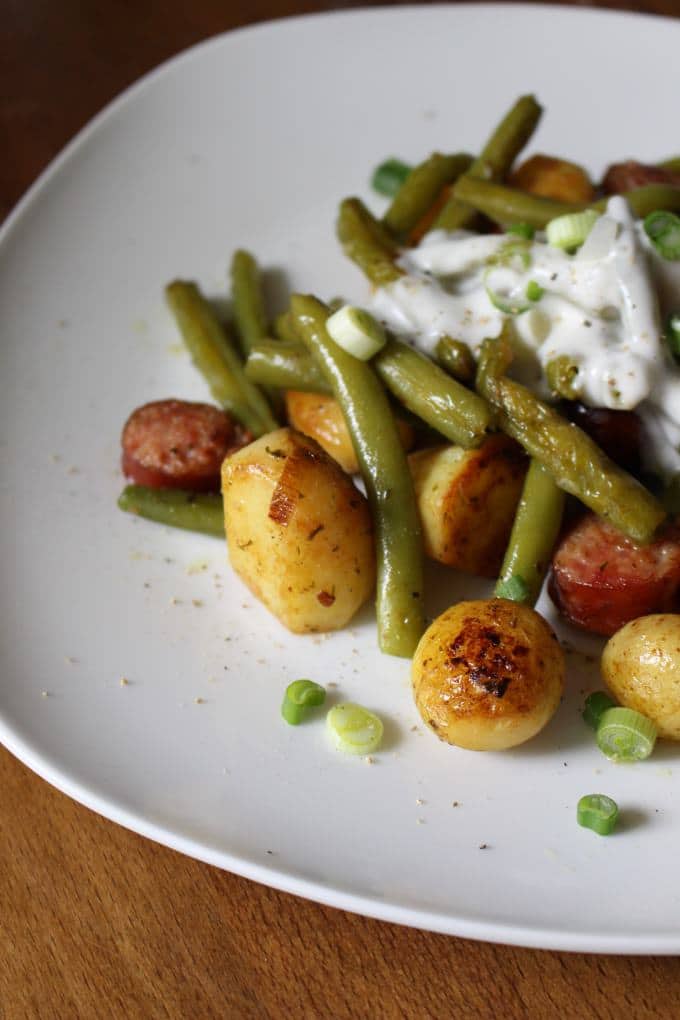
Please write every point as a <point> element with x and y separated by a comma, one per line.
<point>601,308</point>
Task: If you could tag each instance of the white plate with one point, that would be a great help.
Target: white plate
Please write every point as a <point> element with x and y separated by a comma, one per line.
<point>250,140</point>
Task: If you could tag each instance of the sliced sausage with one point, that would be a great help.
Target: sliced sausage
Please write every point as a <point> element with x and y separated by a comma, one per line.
<point>600,579</point>
<point>622,177</point>
<point>179,445</point>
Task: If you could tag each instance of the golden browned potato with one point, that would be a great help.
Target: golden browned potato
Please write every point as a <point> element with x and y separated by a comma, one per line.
<point>467,501</point>
<point>488,674</point>
<point>553,178</point>
<point>641,667</point>
<point>321,417</point>
<point>299,532</point>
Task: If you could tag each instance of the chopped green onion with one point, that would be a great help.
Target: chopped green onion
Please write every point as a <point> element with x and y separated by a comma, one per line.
<point>571,230</point>
<point>300,696</point>
<point>598,812</point>
<point>534,291</point>
<point>515,589</point>
<point>389,177</point>
<point>663,230</point>
<point>625,735</point>
<point>354,729</point>
<point>356,331</point>
<point>594,707</point>
<point>672,333</point>
<point>522,230</point>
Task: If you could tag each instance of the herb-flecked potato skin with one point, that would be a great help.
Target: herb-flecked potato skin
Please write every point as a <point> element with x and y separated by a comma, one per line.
<point>299,532</point>
<point>641,667</point>
<point>320,417</point>
<point>467,501</point>
<point>488,674</point>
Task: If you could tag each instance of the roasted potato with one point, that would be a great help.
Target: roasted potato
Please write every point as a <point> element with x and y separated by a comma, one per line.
<point>467,501</point>
<point>553,178</point>
<point>299,532</point>
<point>488,674</point>
<point>641,667</point>
<point>321,417</point>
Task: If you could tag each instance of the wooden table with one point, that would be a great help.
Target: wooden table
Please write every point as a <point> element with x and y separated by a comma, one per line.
<point>97,922</point>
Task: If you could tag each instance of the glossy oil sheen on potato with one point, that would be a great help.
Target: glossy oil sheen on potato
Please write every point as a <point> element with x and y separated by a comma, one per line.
<point>467,501</point>
<point>641,667</point>
<point>298,531</point>
<point>488,674</point>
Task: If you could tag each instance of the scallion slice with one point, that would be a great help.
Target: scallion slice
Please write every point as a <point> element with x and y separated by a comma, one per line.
<point>524,230</point>
<point>354,729</point>
<point>625,735</point>
<point>571,230</point>
<point>389,177</point>
<point>300,696</point>
<point>663,230</point>
<point>534,291</point>
<point>672,333</point>
<point>356,331</point>
<point>598,812</point>
<point>515,589</point>
<point>595,705</point>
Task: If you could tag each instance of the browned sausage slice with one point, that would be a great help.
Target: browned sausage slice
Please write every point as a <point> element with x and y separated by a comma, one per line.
<point>179,445</point>
<point>622,177</point>
<point>601,579</point>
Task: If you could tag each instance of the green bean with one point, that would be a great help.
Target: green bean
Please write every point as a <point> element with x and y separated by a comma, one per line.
<point>509,205</point>
<point>399,600</point>
<point>495,159</point>
<point>534,533</point>
<point>672,164</point>
<point>506,205</point>
<point>457,359</point>
<point>248,301</point>
<point>367,242</point>
<point>195,511</point>
<point>216,358</point>
<point>576,463</point>
<point>428,392</point>
<point>283,328</point>
<point>560,374</point>
<point>421,190</point>
<point>288,366</point>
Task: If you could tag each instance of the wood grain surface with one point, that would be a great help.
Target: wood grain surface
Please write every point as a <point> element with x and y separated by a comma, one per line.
<point>96,922</point>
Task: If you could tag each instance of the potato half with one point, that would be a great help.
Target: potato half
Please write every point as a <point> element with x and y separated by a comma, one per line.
<point>467,501</point>
<point>641,667</point>
<point>488,674</point>
<point>321,417</point>
<point>299,532</point>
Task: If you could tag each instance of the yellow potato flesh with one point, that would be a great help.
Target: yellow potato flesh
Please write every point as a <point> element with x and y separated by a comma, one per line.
<point>641,667</point>
<point>298,531</point>
<point>488,674</point>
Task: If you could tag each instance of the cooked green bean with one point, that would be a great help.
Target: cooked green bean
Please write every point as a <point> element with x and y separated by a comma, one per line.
<point>195,511</point>
<point>506,205</point>
<point>421,189</point>
<point>216,359</point>
<point>457,359</point>
<point>560,374</point>
<point>672,164</point>
<point>431,394</point>
<point>284,329</point>
<point>495,159</point>
<point>288,366</point>
<point>576,463</point>
<point>367,242</point>
<point>534,533</point>
<point>399,600</point>
<point>248,301</point>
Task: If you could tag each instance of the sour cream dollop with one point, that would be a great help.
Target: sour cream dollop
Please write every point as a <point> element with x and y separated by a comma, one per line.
<point>600,309</point>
